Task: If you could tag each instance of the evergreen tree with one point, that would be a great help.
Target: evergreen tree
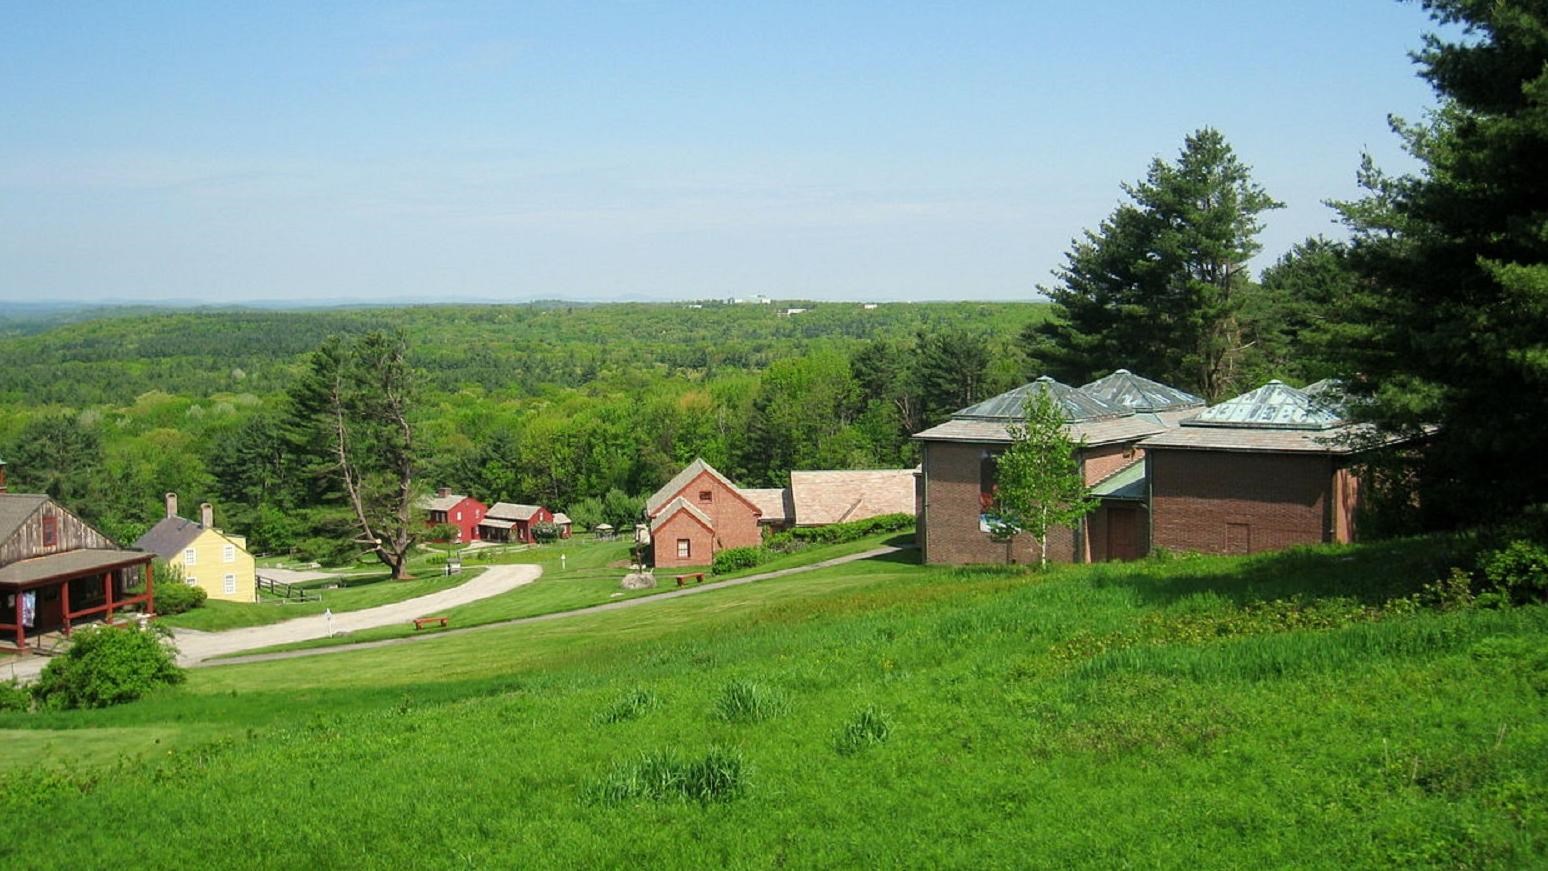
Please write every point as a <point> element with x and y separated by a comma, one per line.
<point>1294,319</point>
<point>1452,328</point>
<point>1159,287</point>
<point>952,371</point>
<point>1038,485</point>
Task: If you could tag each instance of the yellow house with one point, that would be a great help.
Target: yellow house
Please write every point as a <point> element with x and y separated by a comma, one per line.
<point>209,558</point>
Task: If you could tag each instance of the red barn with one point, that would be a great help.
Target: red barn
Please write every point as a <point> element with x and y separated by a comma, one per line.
<point>454,509</point>
<point>513,521</point>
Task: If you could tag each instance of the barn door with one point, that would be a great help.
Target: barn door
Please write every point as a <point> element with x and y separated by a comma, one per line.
<point>1123,541</point>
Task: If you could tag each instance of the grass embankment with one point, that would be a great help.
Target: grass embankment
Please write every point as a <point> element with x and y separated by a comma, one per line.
<point>1159,714</point>
<point>578,574</point>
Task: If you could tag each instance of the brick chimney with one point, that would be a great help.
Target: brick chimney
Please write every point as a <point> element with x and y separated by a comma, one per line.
<point>443,492</point>
<point>171,504</point>
<point>206,515</point>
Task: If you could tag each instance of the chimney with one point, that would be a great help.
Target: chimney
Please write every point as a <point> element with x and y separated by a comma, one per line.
<point>206,515</point>
<point>443,492</point>
<point>171,504</point>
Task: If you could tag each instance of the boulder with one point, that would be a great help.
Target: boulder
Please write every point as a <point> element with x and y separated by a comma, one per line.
<point>638,581</point>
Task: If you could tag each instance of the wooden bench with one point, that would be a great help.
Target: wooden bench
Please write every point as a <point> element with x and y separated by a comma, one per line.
<point>698,578</point>
<point>422,622</point>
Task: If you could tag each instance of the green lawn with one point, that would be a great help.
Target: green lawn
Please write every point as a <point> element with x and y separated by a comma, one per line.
<point>1191,713</point>
<point>366,591</point>
<point>588,574</point>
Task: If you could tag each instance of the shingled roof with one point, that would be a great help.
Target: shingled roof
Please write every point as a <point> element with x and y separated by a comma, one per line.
<point>693,470</point>
<point>512,511</point>
<point>772,502</point>
<point>1127,390</point>
<point>676,505</point>
<point>169,537</point>
<point>15,508</point>
<point>824,497</point>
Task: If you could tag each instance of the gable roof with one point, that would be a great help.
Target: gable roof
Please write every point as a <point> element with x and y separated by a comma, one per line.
<point>1100,432</point>
<point>1126,483</point>
<point>15,508</point>
<point>169,537</point>
<point>825,497</point>
<point>772,502</point>
<point>512,511</point>
<point>561,519</point>
<point>1275,405</point>
<point>673,508</point>
<point>682,479</point>
<point>441,503</point>
<point>1127,390</point>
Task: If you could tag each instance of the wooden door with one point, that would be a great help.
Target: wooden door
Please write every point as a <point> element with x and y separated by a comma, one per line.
<point>1123,534</point>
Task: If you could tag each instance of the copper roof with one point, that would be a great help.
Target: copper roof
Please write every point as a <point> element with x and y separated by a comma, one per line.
<point>825,497</point>
<point>67,565</point>
<point>1127,483</point>
<point>1077,406</point>
<point>1127,390</point>
<point>1275,405</point>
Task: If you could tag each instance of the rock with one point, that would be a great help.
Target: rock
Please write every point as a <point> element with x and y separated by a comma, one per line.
<point>638,581</point>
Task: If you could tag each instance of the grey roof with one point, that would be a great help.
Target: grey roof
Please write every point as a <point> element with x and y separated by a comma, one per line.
<point>169,537</point>
<point>1100,432</point>
<point>496,523</point>
<point>15,508</point>
<point>512,511</point>
<point>1127,390</point>
<point>441,503</point>
<point>1126,483</point>
<point>1077,406</point>
<point>1275,405</point>
<point>676,505</point>
<point>70,564</point>
<point>660,498</point>
<point>773,502</point>
<point>1338,440</point>
<point>561,519</point>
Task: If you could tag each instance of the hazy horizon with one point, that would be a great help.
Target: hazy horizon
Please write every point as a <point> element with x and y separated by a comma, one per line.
<point>412,153</point>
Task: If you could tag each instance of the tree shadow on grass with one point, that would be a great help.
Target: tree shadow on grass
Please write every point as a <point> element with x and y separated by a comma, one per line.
<point>1368,573</point>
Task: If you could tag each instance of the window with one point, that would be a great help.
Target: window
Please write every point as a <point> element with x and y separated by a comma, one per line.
<point>228,585</point>
<point>50,530</point>
<point>191,581</point>
<point>229,554</point>
<point>706,496</point>
<point>459,515</point>
<point>190,557</point>
<point>684,548</point>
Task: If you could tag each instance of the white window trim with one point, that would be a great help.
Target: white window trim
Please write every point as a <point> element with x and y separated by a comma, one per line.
<point>685,548</point>
<point>191,581</point>
<point>190,557</point>
<point>229,584</point>
<point>229,553</point>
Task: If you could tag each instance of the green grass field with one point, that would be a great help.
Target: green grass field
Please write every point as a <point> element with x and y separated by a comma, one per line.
<point>1194,712</point>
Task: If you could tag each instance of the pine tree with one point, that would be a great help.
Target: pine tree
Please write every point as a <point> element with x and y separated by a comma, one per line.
<point>1038,485</point>
<point>1158,288</point>
<point>1453,326</point>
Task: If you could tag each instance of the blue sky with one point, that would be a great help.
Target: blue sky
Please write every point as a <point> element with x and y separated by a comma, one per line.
<point>231,152</point>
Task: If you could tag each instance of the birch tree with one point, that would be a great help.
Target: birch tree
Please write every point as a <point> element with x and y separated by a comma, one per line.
<point>1038,485</point>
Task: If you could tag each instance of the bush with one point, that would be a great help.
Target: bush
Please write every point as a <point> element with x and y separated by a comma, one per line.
<point>545,531</point>
<point>176,597</point>
<point>837,533</point>
<point>14,697</point>
<point>735,559</point>
<point>1518,570</point>
<point>106,666</point>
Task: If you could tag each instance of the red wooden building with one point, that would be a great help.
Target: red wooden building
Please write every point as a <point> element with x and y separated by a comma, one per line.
<point>56,571</point>
<point>513,521</point>
<point>454,509</point>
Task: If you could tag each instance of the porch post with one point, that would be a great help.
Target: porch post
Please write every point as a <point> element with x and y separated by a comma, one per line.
<point>64,606</point>
<point>150,591</point>
<point>107,582</point>
<point>21,631</point>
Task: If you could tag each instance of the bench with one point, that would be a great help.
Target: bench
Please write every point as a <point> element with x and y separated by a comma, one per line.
<point>422,622</point>
<point>698,578</point>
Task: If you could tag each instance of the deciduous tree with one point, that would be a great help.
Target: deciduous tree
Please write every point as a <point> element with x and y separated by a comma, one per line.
<point>1038,485</point>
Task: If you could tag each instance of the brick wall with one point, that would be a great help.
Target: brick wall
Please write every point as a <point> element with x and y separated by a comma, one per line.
<point>735,521</point>
<point>1104,460</point>
<point>683,525</point>
<point>951,534</point>
<point>1224,502</point>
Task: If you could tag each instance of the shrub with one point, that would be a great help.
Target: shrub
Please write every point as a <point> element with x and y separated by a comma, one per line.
<point>747,702</point>
<point>14,697</point>
<point>720,775</point>
<point>868,729</point>
<point>545,531</point>
<point>106,666</point>
<point>735,559</point>
<point>1518,570</point>
<point>837,533</point>
<point>634,704</point>
<point>177,597</point>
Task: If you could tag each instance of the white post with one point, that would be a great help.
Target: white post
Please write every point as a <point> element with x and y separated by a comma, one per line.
<point>562,558</point>
<point>328,616</point>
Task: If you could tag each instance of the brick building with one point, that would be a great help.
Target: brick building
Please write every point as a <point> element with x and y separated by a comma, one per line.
<point>956,481</point>
<point>698,513</point>
<point>1266,470</point>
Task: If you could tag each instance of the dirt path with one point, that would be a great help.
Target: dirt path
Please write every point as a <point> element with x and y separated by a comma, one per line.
<point>560,615</point>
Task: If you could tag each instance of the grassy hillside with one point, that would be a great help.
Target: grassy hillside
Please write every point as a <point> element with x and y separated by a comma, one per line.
<point>1216,712</point>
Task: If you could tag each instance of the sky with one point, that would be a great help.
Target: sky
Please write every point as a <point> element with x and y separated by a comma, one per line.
<point>242,152</point>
